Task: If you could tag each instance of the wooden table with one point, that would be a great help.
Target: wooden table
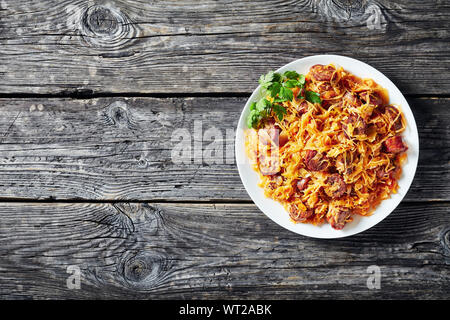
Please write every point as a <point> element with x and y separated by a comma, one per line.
<point>91,93</point>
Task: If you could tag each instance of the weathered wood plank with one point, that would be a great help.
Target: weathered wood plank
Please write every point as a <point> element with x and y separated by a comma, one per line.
<point>162,251</point>
<point>213,46</point>
<point>121,148</point>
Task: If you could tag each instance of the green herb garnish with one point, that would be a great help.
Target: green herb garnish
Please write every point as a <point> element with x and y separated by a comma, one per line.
<point>313,97</point>
<point>279,87</point>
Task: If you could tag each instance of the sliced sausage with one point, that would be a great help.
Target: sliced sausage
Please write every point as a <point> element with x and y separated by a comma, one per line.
<point>275,181</point>
<point>351,82</point>
<point>336,186</point>
<point>314,161</point>
<point>395,145</point>
<point>268,164</point>
<point>327,91</point>
<point>320,72</point>
<point>268,134</point>
<point>371,98</point>
<point>302,184</point>
<point>338,218</point>
<point>395,174</point>
<point>298,215</point>
<point>358,123</point>
<point>272,133</point>
<point>352,99</point>
<point>394,117</point>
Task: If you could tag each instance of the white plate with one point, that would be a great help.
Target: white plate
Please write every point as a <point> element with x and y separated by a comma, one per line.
<point>275,210</point>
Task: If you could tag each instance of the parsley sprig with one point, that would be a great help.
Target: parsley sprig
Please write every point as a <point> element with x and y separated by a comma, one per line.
<point>279,88</point>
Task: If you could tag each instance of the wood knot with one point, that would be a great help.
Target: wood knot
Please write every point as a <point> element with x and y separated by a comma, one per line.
<point>118,221</point>
<point>107,28</point>
<point>352,12</point>
<point>144,216</point>
<point>348,5</point>
<point>445,240</point>
<point>145,270</point>
<point>118,114</point>
<point>101,20</point>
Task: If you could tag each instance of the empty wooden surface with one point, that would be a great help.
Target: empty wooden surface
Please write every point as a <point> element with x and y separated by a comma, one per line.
<point>213,46</point>
<point>93,95</point>
<point>121,149</point>
<point>162,250</point>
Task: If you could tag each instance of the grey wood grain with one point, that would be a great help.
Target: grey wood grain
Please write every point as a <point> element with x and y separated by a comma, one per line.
<point>121,148</point>
<point>213,46</point>
<point>168,231</point>
<point>162,251</point>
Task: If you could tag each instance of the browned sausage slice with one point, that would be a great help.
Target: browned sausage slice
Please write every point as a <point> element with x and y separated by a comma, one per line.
<point>336,186</point>
<point>272,133</point>
<point>298,215</point>
<point>358,123</point>
<point>372,99</point>
<point>320,72</point>
<point>395,145</point>
<point>352,99</point>
<point>394,117</point>
<point>314,161</point>
<point>302,184</point>
<point>339,218</point>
